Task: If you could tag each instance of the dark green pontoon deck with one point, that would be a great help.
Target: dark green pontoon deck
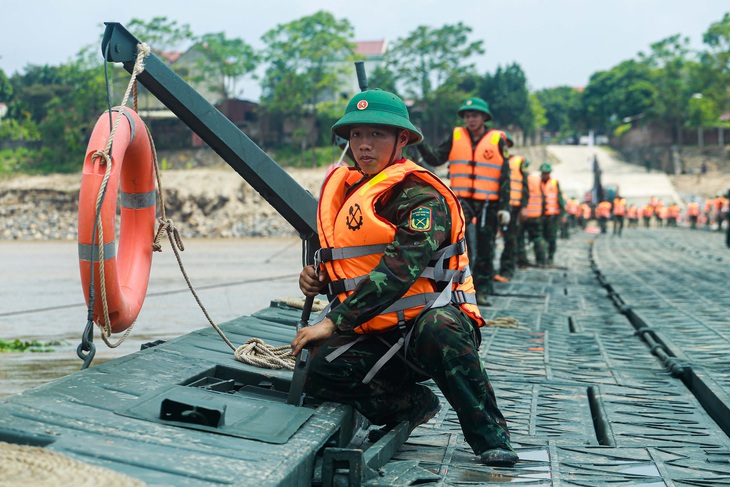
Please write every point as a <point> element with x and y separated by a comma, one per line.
<point>617,378</point>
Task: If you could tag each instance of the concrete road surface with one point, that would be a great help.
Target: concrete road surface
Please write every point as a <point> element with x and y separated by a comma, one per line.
<point>575,174</point>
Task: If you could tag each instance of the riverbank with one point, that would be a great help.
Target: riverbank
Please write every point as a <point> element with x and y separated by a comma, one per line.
<point>203,202</point>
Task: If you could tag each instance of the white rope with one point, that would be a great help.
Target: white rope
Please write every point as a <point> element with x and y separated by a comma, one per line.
<point>143,50</point>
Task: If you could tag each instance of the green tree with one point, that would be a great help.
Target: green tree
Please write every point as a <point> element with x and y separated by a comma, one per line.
<point>224,63</point>
<point>305,69</point>
<point>626,90</point>
<point>669,59</point>
<point>561,109</point>
<point>161,34</point>
<point>431,65</point>
<point>6,88</point>
<point>508,97</point>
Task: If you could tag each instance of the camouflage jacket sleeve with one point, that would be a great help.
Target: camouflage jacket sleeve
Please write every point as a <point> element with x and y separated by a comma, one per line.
<point>438,157</point>
<point>404,260</point>
<point>504,177</point>
<point>561,200</point>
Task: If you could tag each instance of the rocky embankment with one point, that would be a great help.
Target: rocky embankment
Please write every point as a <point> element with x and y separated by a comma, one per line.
<point>203,202</point>
<point>207,203</point>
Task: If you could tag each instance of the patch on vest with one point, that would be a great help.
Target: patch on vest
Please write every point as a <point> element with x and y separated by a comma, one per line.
<point>354,220</point>
<point>488,154</point>
<point>420,219</point>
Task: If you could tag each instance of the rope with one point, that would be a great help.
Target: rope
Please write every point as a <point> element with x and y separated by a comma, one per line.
<point>143,51</point>
<point>256,352</point>
<point>505,322</point>
<point>21,466</point>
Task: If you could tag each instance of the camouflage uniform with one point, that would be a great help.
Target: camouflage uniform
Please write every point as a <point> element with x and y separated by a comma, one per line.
<point>485,220</point>
<point>443,344</point>
<point>514,242</point>
<point>532,229</point>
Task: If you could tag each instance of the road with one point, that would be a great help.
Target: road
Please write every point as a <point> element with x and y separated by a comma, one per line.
<point>575,173</point>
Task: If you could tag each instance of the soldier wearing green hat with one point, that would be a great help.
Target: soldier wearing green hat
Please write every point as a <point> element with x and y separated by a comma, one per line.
<point>403,307</point>
<point>480,177</point>
<point>554,209</point>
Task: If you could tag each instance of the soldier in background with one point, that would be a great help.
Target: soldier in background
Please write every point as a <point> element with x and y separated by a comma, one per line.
<point>585,215</point>
<point>480,177</point>
<point>518,198</point>
<point>646,213</point>
<point>554,209</point>
<point>632,213</point>
<point>532,222</point>
<point>603,214</point>
<point>672,215</point>
<point>693,214</point>
<point>619,211</point>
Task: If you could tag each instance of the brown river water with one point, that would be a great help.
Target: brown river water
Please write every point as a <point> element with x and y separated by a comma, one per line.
<point>41,298</point>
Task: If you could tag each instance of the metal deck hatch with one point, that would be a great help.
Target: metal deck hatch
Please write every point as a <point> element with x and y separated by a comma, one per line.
<point>245,414</point>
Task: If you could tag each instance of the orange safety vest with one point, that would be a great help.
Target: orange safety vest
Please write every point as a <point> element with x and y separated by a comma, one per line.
<point>534,202</point>
<point>673,211</point>
<point>632,212</point>
<point>647,211</point>
<point>586,210</point>
<point>693,208</point>
<point>516,181</point>
<point>475,172</point>
<point>550,190</point>
<point>619,206</point>
<point>353,238</point>
<point>572,206</point>
<point>603,210</point>
<point>708,206</point>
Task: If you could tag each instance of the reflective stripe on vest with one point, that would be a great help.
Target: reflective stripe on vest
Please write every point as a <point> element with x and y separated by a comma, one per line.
<point>515,180</point>
<point>475,172</point>
<point>534,203</point>
<point>550,190</point>
<point>349,224</point>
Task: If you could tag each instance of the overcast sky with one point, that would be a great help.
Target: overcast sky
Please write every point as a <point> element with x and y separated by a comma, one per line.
<point>557,42</point>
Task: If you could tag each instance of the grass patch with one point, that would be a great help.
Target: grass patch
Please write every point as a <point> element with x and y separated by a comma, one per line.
<point>17,346</point>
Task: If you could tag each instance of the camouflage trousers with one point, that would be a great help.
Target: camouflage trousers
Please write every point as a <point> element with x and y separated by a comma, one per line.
<point>442,347</point>
<point>481,235</point>
<point>532,230</point>
<point>508,259</point>
<point>550,225</point>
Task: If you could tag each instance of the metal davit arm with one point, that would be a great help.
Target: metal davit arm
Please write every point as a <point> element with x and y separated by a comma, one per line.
<point>293,202</point>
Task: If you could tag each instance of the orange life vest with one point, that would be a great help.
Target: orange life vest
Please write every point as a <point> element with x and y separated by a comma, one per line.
<point>516,181</point>
<point>708,206</point>
<point>475,172</point>
<point>550,190</point>
<point>693,208</point>
<point>619,206</point>
<point>573,207</point>
<point>632,212</point>
<point>353,238</point>
<point>586,210</point>
<point>534,202</point>
<point>673,211</point>
<point>647,211</point>
<point>603,210</point>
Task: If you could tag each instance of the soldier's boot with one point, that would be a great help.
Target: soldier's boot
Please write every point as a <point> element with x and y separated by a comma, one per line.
<point>502,456</point>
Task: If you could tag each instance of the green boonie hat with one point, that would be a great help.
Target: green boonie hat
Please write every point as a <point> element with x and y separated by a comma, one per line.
<point>376,107</point>
<point>476,105</point>
<point>525,163</point>
<point>545,167</point>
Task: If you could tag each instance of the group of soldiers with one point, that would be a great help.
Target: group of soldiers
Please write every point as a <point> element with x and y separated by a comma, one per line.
<point>498,196</point>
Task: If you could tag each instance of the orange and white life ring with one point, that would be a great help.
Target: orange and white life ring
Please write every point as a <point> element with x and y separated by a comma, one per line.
<point>126,265</point>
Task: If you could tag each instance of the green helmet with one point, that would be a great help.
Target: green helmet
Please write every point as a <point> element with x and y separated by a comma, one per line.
<point>525,163</point>
<point>376,107</point>
<point>545,167</point>
<point>476,105</point>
